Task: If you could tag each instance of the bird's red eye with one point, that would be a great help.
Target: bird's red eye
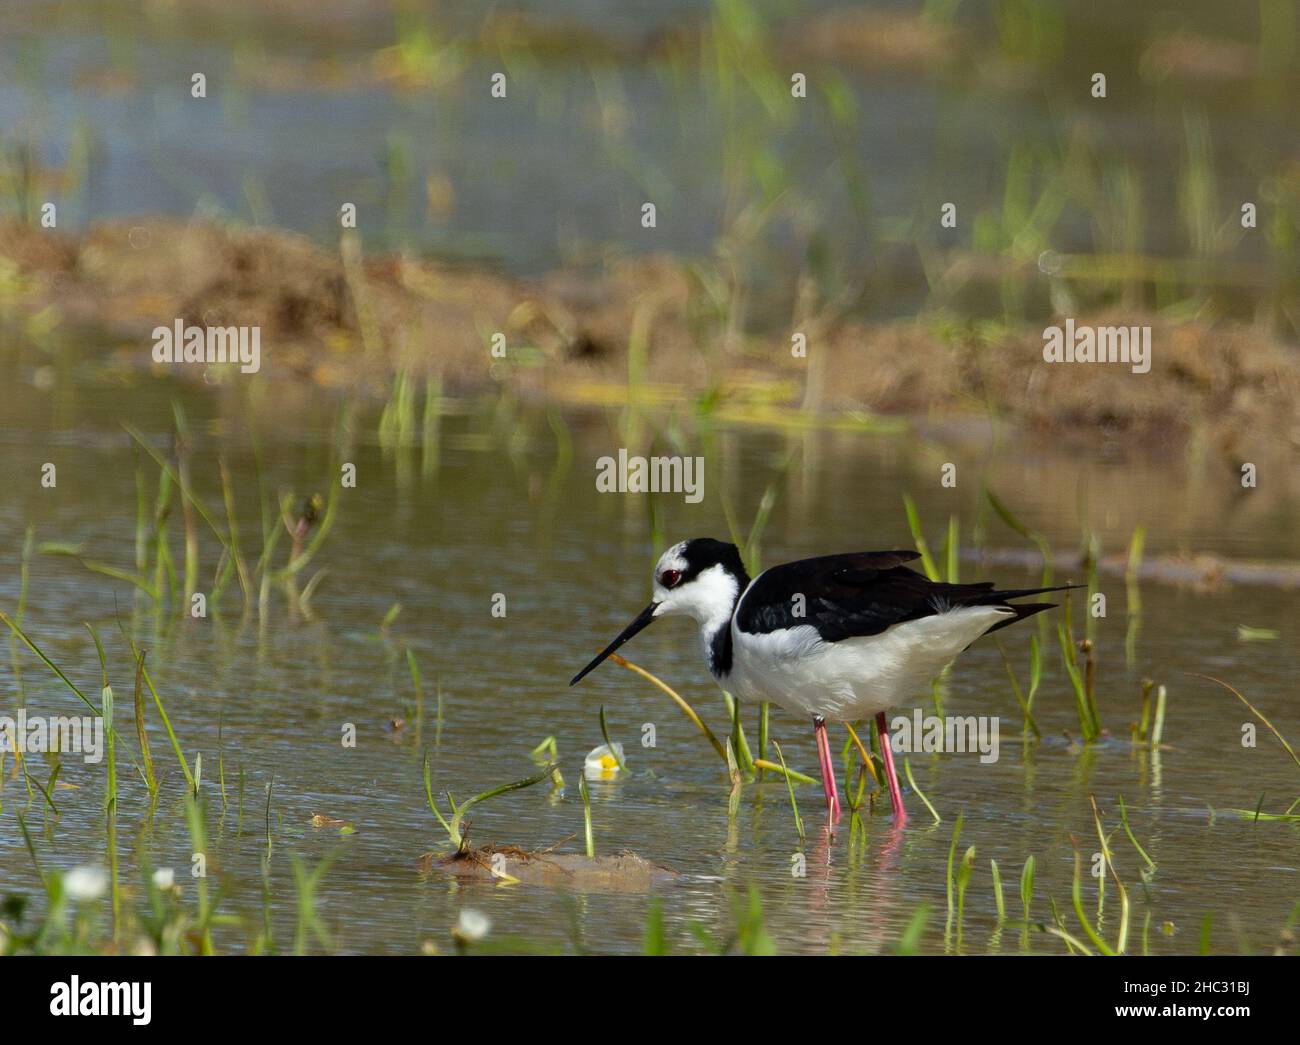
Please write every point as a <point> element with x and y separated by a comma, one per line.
<point>669,578</point>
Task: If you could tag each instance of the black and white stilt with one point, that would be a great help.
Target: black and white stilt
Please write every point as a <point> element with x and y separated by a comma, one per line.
<point>838,638</point>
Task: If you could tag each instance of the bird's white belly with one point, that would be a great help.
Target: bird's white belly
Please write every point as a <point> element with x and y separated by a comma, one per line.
<point>857,677</point>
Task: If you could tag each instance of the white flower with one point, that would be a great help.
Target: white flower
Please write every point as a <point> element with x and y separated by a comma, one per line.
<point>85,883</point>
<point>472,925</point>
<point>164,878</point>
<point>602,764</point>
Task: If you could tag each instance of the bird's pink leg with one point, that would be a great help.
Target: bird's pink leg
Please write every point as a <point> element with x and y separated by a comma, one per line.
<point>891,775</point>
<point>828,769</point>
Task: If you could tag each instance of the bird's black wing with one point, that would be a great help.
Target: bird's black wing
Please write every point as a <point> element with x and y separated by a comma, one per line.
<point>860,593</point>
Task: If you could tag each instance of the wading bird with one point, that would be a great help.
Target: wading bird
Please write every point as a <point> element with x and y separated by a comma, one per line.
<point>838,637</point>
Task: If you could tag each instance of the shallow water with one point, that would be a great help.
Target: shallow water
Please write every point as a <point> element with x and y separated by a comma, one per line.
<point>504,506</point>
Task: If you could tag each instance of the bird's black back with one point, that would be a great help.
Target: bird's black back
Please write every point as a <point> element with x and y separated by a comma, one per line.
<point>860,593</point>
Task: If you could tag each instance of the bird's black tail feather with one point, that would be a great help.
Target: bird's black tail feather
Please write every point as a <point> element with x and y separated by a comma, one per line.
<point>1027,609</point>
<point>1019,593</point>
<point>1023,610</point>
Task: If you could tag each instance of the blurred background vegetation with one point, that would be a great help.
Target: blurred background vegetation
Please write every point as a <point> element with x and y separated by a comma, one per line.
<point>827,204</point>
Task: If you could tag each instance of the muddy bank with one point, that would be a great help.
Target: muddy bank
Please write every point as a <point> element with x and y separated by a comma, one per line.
<point>346,319</point>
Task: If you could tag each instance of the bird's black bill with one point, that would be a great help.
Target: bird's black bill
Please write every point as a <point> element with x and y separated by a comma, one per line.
<point>643,618</point>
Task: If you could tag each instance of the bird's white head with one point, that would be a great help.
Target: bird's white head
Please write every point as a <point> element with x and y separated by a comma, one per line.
<point>700,578</point>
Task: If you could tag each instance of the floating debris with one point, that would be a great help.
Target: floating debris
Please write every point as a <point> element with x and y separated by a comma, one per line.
<point>1245,633</point>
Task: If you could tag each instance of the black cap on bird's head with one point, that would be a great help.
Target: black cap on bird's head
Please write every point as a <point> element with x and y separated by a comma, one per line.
<point>700,577</point>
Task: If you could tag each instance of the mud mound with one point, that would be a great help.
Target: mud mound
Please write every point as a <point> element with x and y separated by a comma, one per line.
<point>623,872</point>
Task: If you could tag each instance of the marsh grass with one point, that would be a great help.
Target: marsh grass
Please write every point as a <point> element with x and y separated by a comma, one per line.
<point>589,835</point>
<point>418,687</point>
<point>794,805</point>
<point>1133,596</point>
<point>195,818</point>
<point>306,882</point>
<point>163,922</point>
<point>1256,712</point>
<point>868,760</point>
<point>854,757</point>
<point>748,934</point>
<point>737,740</point>
<point>1150,869</point>
<point>307,527</point>
<point>655,938</point>
<point>1085,703</point>
<point>1121,943</point>
<point>1033,536</point>
<point>1035,673</point>
<point>1026,898</point>
<point>453,824</point>
<point>951,880</point>
<point>964,872</point>
<point>141,734</point>
<point>907,772</point>
<point>928,564</point>
<point>909,941</point>
<point>1158,725</point>
<point>1290,815</point>
<point>604,732</point>
<point>547,753</point>
<point>110,788</point>
<point>706,732</point>
<point>677,699</point>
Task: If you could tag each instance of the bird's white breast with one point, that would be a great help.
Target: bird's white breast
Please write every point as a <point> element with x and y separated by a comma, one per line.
<point>856,677</point>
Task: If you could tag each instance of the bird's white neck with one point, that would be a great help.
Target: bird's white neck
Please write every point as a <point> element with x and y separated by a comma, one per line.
<point>715,602</point>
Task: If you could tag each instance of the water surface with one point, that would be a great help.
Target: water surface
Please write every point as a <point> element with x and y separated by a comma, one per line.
<point>505,506</point>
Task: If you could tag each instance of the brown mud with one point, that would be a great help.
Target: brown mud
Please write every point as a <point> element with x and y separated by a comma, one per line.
<point>623,872</point>
<point>342,318</point>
